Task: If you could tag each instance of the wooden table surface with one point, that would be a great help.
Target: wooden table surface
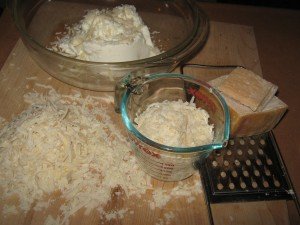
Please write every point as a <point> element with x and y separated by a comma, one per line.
<point>277,36</point>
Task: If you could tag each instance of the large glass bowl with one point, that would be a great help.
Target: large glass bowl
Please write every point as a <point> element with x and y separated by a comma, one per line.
<point>179,28</point>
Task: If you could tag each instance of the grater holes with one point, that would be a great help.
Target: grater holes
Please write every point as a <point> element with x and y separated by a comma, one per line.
<point>220,186</point>
<point>239,152</point>
<point>214,163</point>
<point>266,184</point>
<point>234,173</point>
<point>256,173</point>
<point>231,186</point>
<point>250,151</point>
<point>248,162</point>
<point>231,142</point>
<point>267,171</point>
<point>262,141</point>
<point>243,185</point>
<point>254,183</point>
<point>246,173</point>
<point>260,151</point>
<point>242,142</point>
<point>223,174</point>
<point>237,162</point>
<point>258,162</point>
<point>226,163</point>
<point>252,142</point>
<point>269,161</point>
<point>276,182</point>
<point>229,152</point>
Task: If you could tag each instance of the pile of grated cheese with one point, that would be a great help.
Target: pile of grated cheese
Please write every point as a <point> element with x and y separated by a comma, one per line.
<point>175,123</point>
<point>70,144</point>
<point>56,146</point>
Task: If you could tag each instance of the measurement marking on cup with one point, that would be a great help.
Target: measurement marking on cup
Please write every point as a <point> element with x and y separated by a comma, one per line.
<point>155,163</point>
<point>146,150</point>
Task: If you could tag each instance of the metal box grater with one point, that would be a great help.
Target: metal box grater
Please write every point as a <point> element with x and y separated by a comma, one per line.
<point>249,168</point>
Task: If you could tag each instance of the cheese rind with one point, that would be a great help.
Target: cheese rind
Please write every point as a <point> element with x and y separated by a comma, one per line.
<point>244,122</point>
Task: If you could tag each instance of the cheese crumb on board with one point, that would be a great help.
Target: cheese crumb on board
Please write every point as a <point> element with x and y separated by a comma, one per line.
<point>160,198</point>
<point>69,144</point>
<point>52,221</point>
<point>106,35</point>
<point>2,122</point>
<point>10,210</point>
<point>175,123</point>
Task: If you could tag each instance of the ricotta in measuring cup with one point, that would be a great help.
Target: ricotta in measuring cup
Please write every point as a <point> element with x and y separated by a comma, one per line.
<point>115,35</point>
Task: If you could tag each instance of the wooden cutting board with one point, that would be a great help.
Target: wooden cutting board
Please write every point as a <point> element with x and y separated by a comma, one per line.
<point>227,44</point>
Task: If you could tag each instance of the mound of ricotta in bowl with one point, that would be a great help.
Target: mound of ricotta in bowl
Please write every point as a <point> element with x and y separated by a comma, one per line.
<point>108,35</point>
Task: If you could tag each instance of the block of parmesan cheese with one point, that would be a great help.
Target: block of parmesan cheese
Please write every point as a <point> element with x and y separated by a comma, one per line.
<point>245,122</point>
<point>248,89</point>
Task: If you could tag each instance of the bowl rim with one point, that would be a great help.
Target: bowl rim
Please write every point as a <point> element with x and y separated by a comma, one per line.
<point>133,130</point>
<point>200,23</point>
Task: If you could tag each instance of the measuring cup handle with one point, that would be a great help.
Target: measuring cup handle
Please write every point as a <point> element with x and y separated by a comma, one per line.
<point>128,82</point>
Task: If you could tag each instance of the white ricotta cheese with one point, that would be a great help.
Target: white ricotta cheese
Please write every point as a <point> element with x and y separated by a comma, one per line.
<point>115,35</point>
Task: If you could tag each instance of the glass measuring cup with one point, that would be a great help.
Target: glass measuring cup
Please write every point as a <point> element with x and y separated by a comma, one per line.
<point>135,92</point>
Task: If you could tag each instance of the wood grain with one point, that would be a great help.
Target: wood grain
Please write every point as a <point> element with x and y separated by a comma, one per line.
<point>256,213</point>
<point>230,44</point>
<point>20,75</point>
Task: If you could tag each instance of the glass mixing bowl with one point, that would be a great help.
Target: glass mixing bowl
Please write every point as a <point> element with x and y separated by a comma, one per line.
<point>179,28</point>
<point>134,93</point>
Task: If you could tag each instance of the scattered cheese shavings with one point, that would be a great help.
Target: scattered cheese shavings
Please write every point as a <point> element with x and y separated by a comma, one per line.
<point>119,214</point>
<point>169,216</point>
<point>51,221</point>
<point>73,148</point>
<point>9,210</point>
<point>160,197</point>
<point>39,206</point>
<point>32,78</point>
<point>2,122</point>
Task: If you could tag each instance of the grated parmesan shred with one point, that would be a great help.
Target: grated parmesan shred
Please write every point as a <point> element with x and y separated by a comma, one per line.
<point>175,123</point>
<point>68,143</point>
<point>51,221</point>
<point>10,210</point>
